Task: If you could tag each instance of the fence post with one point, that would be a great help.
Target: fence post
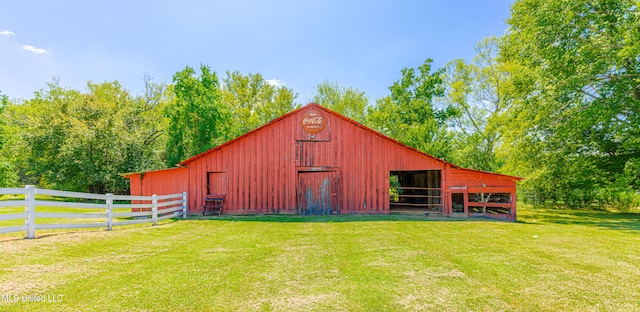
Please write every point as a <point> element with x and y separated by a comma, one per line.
<point>109,212</point>
<point>184,205</point>
<point>154,209</point>
<point>30,207</point>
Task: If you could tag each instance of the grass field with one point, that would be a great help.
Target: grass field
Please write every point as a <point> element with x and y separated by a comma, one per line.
<point>550,260</point>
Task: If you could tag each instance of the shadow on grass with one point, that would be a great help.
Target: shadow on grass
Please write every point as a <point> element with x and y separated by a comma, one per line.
<point>598,218</point>
<point>336,218</point>
<point>44,233</point>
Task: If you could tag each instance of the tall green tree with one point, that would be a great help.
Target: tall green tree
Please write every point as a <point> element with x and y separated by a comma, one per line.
<point>576,76</point>
<point>4,102</point>
<point>8,175</point>
<point>197,117</point>
<point>478,92</point>
<point>410,115</point>
<point>82,141</point>
<point>347,101</point>
<point>253,101</point>
<point>149,124</point>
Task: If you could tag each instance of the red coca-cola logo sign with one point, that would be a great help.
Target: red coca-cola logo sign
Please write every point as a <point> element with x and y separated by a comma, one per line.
<point>313,121</point>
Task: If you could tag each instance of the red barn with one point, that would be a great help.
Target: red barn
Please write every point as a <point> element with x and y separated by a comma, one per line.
<point>315,161</point>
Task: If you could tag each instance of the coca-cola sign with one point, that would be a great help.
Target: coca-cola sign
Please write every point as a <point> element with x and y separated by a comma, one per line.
<point>313,121</point>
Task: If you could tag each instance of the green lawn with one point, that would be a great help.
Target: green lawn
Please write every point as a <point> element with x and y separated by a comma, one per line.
<point>551,260</point>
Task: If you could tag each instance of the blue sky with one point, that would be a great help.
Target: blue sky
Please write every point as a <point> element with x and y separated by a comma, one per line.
<point>361,44</point>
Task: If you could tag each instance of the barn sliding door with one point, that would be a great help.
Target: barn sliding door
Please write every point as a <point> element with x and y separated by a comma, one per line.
<point>317,192</point>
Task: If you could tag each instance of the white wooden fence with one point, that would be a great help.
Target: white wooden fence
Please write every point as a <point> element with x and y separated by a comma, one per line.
<point>151,209</point>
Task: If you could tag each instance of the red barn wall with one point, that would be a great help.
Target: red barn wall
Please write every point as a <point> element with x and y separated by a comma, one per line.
<point>474,178</point>
<point>262,168</point>
<point>474,181</point>
<point>161,182</point>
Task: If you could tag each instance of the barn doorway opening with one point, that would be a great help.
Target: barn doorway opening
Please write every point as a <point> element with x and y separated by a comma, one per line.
<point>457,203</point>
<point>416,191</point>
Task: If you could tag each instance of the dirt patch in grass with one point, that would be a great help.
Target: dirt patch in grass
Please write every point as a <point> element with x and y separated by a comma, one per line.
<point>430,276</point>
<point>424,302</point>
<point>38,277</point>
<point>296,302</point>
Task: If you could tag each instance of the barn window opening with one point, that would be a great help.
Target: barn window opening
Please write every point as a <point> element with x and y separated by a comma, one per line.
<point>504,198</point>
<point>415,191</point>
<point>457,202</point>
<point>490,203</point>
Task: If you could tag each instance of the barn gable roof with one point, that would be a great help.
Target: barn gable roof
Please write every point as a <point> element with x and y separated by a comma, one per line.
<point>349,120</point>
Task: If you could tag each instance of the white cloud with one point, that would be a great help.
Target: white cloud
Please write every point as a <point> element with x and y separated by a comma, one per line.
<point>276,82</point>
<point>7,33</point>
<point>34,49</point>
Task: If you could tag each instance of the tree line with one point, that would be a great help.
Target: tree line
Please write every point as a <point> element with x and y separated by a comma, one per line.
<point>556,100</point>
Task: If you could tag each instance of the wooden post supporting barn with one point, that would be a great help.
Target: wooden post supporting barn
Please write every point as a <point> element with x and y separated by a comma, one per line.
<point>315,161</point>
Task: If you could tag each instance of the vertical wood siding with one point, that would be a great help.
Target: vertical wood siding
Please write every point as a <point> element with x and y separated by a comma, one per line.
<point>169,181</point>
<point>262,167</point>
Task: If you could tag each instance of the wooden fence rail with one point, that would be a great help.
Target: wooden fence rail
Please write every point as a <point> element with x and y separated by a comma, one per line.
<point>152,209</point>
<point>426,198</point>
